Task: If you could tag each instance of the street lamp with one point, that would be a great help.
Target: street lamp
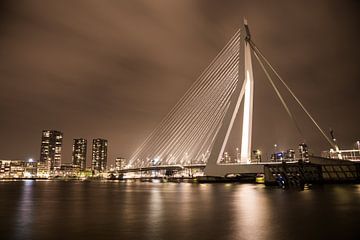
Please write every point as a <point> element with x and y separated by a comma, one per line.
<point>237,155</point>
<point>275,146</point>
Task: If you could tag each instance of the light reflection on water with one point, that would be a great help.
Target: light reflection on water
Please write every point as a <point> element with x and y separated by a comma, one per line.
<point>252,216</point>
<point>114,210</point>
<point>24,211</point>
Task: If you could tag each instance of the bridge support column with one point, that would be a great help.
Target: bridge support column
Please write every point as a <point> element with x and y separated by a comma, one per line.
<point>246,93</point>
<point>248,108</point>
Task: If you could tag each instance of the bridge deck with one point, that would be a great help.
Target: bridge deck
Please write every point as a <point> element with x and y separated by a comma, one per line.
<point>228,168</point>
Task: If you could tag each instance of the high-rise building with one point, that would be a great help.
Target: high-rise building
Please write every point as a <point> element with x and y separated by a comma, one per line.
<point>79,153</point>
<point>50,152</point>
<point>99,155</point>
<point>120,163</point>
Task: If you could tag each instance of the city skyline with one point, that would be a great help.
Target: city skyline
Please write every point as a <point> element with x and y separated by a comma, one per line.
<point>120,83</point>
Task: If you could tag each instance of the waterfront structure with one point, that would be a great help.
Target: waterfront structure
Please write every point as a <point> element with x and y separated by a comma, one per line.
<point>50,152</point>
<point>30,169</point>
<point>348,154</point>
<point>69,170</point>
<point>12,168</point>
<point>17,168</point>
<point>42,170</point>
<point>99,155</point>
<point>79,153</point>
<point>120,163</point>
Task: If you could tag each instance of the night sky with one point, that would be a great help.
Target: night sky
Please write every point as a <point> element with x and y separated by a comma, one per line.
<point>113,69</point>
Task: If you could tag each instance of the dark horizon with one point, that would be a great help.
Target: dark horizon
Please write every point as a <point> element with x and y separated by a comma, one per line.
<point>113,70</point>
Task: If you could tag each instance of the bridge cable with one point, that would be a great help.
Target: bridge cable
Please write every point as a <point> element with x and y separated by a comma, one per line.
<point>189,95</point>
<point>193,122</point>
<point>257,50</point>
<point>279,95</point>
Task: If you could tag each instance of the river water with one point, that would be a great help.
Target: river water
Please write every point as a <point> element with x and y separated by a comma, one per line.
<point>118,210</point>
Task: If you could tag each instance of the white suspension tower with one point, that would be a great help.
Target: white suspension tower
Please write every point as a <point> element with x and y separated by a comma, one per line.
<point>246,94</point>
<point>248,101</point>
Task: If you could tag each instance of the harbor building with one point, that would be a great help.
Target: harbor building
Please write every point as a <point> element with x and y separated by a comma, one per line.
<point>17,168</point>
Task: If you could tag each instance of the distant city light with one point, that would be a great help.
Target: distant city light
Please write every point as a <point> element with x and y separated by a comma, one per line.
<point>156,160</point>
<point>31,160</point>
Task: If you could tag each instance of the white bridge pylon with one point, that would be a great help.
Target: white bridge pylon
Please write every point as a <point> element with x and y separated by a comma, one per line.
<point>245,94</point>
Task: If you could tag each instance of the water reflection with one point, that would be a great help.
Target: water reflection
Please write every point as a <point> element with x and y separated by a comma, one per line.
<point>155,210</point>
<point>25,211</point>
<point>251,211</point>
<point>107,210</point>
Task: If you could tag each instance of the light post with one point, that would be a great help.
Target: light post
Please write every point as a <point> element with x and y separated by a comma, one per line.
<point>275,146</point>
<point>237,155</point>
<point>258,156</point>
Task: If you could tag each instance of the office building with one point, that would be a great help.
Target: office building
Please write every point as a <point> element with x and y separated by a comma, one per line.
<point>120,163</point>
<point>99,155</point>
<point>79,153</point>
<point>50,153</point>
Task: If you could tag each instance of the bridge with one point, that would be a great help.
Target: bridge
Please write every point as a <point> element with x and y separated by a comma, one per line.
<point>163,167</point>
<point>196,131</point>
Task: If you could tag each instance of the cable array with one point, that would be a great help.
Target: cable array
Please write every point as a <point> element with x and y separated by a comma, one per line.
<point>186,133</point>
<point>261,59</point>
